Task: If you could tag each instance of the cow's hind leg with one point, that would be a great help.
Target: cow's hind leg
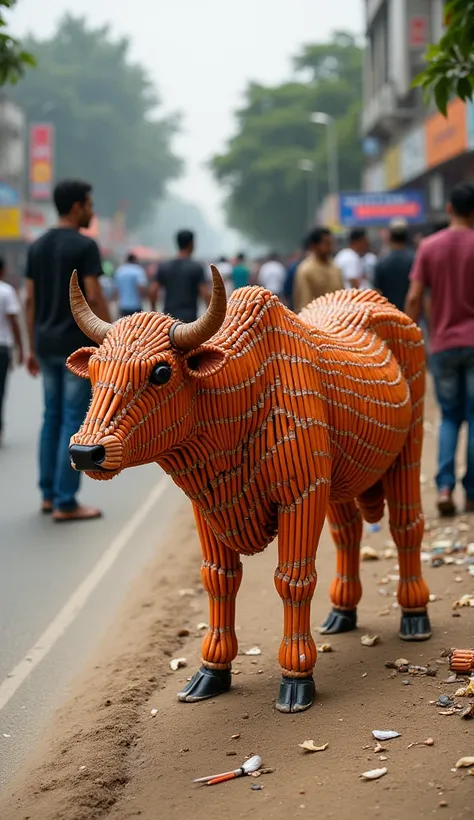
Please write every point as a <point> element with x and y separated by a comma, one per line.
<point>299,528</point>
<point>345,522</point>
<point>403,494</point>
<point>221,573</point>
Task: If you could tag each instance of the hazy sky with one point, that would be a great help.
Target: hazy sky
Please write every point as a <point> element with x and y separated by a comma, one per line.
<point>201,53</point>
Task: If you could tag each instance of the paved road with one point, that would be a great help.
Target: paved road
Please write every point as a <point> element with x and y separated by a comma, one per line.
<point>60,585</point>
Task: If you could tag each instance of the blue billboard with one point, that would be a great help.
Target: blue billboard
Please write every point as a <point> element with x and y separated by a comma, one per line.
<point>8,196</point>
<point>369,209</point>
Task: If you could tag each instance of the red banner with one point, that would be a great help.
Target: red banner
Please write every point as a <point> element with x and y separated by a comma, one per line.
<point>418,32</point>
<point>41,161</point>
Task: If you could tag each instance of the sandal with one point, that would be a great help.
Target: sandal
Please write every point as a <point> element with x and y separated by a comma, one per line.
<point>80,513</point>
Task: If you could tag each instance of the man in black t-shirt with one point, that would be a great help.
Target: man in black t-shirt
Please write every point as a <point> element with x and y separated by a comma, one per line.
<point>53,335</point>
<point>183,281</point>
<point>392,273</point>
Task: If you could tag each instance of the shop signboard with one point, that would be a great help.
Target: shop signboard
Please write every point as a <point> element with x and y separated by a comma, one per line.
<point>41,161</point>
<point>447,137</point>
<point>10,214</point>
<point>372,209</point>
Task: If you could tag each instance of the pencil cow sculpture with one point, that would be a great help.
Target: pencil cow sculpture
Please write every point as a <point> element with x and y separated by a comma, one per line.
<point>269,422</point>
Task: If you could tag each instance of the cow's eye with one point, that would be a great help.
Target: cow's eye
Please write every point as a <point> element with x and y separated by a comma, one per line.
<point>160,374</point>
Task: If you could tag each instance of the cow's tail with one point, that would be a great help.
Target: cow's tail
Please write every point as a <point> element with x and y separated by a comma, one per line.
<point>371,503</point>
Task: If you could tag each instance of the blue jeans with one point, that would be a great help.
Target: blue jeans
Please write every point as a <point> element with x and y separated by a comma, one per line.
<point>453,373</point>
<point>66,400</point>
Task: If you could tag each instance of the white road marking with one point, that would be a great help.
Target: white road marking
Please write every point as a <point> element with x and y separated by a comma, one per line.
<point>78,599</point>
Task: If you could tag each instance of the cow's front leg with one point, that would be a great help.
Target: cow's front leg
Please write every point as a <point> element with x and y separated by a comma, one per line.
<point>221,573</point>
<point>345,522</point>
<point>299,529</point>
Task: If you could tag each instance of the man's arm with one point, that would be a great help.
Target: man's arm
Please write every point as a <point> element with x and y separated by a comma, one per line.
<point>30,310</point>
<point>204,292</point>
<point>302,294</point>
<point>91,270</point>
<point>95,297</point>
<point>203,287</point>
<point>419,280</point>
<point>414,300</point>
<point>154,288</point>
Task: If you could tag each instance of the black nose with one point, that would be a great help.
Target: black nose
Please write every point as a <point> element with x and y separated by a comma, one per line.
<point>87,457</point>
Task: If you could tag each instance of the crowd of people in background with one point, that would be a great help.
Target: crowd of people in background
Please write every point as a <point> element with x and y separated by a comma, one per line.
<point>319,267</point>
<point>430,278</point>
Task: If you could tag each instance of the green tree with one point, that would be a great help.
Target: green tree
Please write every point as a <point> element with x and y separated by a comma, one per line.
<point>13,57</point>
<point>103,108</point>
<point>450,63</point>
<point>262,165</point>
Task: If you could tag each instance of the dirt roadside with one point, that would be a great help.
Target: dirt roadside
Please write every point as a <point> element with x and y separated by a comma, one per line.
<point>105,756</point>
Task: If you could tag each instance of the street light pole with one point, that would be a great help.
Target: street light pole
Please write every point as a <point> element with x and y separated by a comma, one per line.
<point>309,167</point>
<point>321,118</point>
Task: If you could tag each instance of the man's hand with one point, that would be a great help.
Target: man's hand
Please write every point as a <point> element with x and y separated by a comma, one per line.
<point>32,365</point>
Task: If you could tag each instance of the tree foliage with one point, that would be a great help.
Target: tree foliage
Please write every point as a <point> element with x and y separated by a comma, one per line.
<point>103,108</point>
<point>450,63</point>
<point>13,57</point>
<point>261,167</point>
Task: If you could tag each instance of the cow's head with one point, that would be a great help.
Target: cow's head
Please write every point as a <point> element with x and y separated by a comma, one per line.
<point>144,377</point>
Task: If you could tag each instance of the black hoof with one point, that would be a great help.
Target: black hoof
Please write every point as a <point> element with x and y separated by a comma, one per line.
<point>415,626</point>
<point>339,620</point>
<point>206,683</point>
<point>296,694</point>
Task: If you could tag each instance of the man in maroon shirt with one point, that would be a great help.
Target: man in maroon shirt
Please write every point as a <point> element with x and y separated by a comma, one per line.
<point>444,264</point>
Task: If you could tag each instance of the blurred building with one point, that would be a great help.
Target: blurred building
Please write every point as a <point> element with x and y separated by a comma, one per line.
<point>12,185</point>
<point>407,144</point>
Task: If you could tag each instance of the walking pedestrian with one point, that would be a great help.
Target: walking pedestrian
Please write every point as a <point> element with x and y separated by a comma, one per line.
<point>240,273</point>
<point>131,286</point>
<point>53,335</point>
<point>10,336</point>
<point>350,260</point>
<point>272,275</point>
<point>392,273</point>
<point>317,274</point>
<point>183,281</point>
<point>444,265</point>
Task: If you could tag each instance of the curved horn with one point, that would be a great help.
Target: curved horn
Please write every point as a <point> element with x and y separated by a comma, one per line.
<point>189,336</point>
<point>90,324</point>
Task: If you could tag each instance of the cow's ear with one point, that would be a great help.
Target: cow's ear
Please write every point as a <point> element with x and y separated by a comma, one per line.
<point>205,361</point>
<point>78,362</point>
